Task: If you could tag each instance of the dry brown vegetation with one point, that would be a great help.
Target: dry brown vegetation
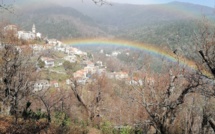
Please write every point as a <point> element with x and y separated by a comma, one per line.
<point>177,101</point>
<point>173,102</point>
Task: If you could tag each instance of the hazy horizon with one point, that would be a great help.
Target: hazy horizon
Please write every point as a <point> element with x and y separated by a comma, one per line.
<point>209,3</point>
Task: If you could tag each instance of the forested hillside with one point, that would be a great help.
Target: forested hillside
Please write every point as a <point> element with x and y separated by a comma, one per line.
<point>125,69</point>
<point>171,24</point>
<point>57,22</point>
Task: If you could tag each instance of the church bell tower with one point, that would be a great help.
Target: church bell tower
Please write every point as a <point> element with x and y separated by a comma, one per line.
<point>33,28</point>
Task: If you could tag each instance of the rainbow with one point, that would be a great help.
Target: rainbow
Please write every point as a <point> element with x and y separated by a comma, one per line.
<point>141,46</point>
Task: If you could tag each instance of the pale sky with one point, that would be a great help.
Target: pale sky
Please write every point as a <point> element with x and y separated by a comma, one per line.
<point>209,3</point>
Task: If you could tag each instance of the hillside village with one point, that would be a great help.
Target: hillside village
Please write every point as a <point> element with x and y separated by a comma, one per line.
<point>87,67</point>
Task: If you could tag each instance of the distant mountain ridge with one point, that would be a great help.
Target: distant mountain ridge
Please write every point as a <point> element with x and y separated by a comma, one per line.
<point>57,22</point>
<point>159,24</point>
<point>128,12</point>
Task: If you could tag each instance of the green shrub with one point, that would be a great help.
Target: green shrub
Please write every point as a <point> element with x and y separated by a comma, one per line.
<point>126,130</point>
<point>106,128</point>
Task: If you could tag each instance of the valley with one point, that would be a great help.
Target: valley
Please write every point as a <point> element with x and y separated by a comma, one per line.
<point>84,68</point>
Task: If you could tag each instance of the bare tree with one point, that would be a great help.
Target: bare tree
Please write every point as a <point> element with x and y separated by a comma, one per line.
<point>52,99</point>
<point>204,42</point>
<point>7,7</point>
<point>162,97</point>
<point>166,98</point>
<point>17,72</point>
<point>93,103</point>
<point>205,50</point>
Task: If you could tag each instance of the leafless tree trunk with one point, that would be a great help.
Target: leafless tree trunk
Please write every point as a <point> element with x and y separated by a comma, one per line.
<point>162,99</point>
<point>17,72</point>
<point>51,99</point>
<point>205,48</point>
<point>92,106</point>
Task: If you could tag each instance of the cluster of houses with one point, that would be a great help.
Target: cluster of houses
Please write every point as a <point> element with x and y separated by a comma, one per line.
<point>82,76</point>
<point>25,35</point>
<point>112,54</point>
<point>89,68</point>
<point>72,53</point>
